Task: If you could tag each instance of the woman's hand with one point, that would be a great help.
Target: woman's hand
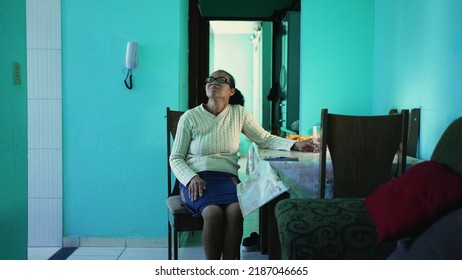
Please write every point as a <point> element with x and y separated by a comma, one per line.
<point>196,187</point>
<point>304,146</point>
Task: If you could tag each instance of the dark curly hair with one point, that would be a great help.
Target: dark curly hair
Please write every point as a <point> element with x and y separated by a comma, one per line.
<point>237,98</point>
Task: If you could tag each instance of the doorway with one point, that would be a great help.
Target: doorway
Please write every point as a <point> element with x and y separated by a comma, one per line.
<point>244,49</point>
<point>202,51</point>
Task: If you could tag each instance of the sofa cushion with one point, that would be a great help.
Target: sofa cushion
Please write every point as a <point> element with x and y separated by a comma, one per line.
<point>441,241</point>
<point>317,228</point>
<point>404,206</point>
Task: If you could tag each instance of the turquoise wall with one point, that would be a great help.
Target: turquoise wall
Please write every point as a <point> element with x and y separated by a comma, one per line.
<point>365,57</point>
<point>114,149</point>
<point>13,132</point>
<point>418,62</point>
<point>336,59</point>
<point>183,53</point>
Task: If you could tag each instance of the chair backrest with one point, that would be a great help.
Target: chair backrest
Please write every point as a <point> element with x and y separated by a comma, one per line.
<point>448,150</point>
<point>362,150</point>
<point>413,130</point>
<point>172,122</point>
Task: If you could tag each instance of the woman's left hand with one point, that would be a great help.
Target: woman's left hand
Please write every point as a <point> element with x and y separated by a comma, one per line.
<point>304,146</point>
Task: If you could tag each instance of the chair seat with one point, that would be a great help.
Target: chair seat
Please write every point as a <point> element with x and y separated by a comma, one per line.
<point>180,218</point>
<point>174,205</point>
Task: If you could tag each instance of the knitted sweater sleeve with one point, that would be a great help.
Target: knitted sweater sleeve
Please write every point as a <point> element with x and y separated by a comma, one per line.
<point>179,151</point>
<point>263,138</point>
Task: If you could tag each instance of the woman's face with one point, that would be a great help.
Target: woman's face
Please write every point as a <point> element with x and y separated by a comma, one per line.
<point>217,86</point>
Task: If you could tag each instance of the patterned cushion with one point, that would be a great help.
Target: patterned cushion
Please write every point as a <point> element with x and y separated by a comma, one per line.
<point>338,228</point>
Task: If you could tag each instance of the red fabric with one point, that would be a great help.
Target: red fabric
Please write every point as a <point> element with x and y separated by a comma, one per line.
<point>404,206</point>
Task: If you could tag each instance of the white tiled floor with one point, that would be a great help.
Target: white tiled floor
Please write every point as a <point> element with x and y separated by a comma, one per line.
<point>191,248</point>
<point>116,253</point>
<point>41,253</point>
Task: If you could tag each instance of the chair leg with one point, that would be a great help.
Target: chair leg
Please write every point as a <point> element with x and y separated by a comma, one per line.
<point>169,240</point>
<point>175,244</point>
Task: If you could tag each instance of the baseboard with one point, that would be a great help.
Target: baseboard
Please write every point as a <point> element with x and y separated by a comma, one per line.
<point>115,242</point>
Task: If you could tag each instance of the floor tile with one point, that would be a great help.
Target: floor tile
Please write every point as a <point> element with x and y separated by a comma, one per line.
<point>97,253</point>
<point>144,254</point>
<point>92,257</point>
<point>253,256</point>
<point>191,253</point>
<point>41,253</point>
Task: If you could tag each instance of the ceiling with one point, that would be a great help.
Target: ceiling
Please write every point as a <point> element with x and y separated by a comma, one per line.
<point>251,9</point>
<point>234,27</point>
<point>241,10</point>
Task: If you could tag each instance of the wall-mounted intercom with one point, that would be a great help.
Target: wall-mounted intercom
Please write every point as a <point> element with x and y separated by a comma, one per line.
<point>131,58</point>
<point>131,62</point>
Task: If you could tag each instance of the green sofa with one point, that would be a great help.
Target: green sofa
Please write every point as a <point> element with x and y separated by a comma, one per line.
<point>342,228</point>
<point>338,228</point>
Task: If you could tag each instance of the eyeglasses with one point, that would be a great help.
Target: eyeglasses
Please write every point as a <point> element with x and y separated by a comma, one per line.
<point>220,80</point>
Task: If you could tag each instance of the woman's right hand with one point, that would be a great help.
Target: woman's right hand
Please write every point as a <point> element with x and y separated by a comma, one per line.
<point>305,146</point>
<point>196,187</point>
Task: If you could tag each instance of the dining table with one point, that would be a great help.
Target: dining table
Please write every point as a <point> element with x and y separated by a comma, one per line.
<point>273,172</point>
<point>276,174</point>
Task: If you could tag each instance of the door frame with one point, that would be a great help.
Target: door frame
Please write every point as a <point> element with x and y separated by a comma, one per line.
<point>199,51</point>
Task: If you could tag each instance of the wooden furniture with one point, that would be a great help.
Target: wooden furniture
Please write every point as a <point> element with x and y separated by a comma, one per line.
<point>269,238</point>
<point>393,111</point>
<point>362,149</point>
<point>179,218</point>
<point>413,130</point>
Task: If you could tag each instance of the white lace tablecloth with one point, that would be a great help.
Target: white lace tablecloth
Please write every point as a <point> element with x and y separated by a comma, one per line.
<point>294,172</point>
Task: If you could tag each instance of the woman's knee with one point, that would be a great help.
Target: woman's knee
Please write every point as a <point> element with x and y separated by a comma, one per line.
<point>213,214</point>
<point>233,212</point>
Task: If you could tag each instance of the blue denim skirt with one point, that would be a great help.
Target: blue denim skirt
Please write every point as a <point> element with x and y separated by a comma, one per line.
<point>221,190</point>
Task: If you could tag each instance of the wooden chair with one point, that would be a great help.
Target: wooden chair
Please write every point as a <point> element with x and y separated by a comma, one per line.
<point>179,218</point>
<point>362,149</point>
<point>393,111</point>
<point>413,131</point>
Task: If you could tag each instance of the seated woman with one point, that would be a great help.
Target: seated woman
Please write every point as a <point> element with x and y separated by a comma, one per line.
<point>204,158</point>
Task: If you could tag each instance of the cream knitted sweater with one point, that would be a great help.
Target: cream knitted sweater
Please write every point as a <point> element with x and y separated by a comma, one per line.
<point>205,142</point>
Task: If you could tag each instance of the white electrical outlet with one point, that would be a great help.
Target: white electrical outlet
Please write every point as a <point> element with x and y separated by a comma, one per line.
<point>16,73</point>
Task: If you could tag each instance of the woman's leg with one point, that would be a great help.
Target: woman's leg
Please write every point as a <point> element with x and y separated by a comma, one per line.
<point>233,232</point>
<point>213,231</point>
